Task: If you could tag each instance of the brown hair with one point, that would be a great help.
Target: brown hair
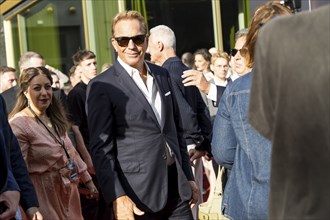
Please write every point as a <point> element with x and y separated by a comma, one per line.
<point>82,55</point>
<point>262,15</point>
<point>129,15</point>
<point>4,69</point>
<point>55,110</point>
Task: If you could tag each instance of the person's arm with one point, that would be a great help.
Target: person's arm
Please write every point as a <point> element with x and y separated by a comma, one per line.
<point>224,141</point>
<point>76,111</point>
<point>186,164</point>
<point>102,146</point>
<point>82,149</point>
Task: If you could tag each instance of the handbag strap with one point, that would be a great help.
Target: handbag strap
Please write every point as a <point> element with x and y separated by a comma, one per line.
<point>218,186</point>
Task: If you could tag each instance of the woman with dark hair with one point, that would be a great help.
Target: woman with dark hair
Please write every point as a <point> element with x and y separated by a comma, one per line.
<point>236,145</point>
<point>40,125</point>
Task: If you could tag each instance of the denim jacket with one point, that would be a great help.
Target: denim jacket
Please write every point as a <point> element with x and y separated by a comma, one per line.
<point>236,145</point>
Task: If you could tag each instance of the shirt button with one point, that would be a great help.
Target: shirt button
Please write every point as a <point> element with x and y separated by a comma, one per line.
<point>164,157</point>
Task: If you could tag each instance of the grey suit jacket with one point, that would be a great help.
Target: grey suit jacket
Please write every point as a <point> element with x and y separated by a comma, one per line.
<point>127,144</point>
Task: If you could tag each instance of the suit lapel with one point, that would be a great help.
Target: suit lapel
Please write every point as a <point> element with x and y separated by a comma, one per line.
<point>128,85</point>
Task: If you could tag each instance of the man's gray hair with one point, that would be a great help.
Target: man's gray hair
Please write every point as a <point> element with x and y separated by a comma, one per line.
<point>164,34</point>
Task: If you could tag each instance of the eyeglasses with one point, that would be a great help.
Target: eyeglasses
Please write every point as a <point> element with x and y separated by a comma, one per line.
<point>123,41</point>
<point>242,51</point>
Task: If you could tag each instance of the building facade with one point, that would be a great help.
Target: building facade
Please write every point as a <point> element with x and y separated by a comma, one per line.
<point>58,28</point>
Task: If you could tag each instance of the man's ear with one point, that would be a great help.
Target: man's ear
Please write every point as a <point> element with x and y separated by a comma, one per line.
<point>160,46</point>
<point>114,44</point>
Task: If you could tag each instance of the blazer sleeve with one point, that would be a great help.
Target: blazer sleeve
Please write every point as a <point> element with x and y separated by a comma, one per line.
<point>186,165</point>
<point>224,141</point>
<point>196,123</point>
<point>102,146</point>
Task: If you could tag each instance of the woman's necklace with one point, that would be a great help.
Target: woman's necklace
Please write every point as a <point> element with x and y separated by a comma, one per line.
<point>44,119</point>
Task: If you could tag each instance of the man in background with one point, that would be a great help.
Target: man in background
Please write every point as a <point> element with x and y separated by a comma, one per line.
<point>85,63</point>
<point>8,78</point>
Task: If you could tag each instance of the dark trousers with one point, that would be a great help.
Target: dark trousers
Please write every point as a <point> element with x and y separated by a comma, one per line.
<point>175,208</point>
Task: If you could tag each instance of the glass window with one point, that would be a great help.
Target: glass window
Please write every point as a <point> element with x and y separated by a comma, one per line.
<point>55,30</point>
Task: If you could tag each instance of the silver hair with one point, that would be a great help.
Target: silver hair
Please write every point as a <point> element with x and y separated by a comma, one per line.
<point>164,34</point>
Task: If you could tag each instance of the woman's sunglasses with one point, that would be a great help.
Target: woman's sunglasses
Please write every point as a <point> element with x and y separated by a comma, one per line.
<point>137,40</point>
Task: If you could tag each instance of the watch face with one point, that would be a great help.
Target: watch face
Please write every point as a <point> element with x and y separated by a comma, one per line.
<point>199,140</point>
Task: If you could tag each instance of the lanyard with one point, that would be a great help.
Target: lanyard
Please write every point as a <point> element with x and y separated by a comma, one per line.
<point>59,140</point>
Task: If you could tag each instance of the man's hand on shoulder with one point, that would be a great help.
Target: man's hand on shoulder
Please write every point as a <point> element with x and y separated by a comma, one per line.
<point>125,208</point>
<point>196,78</point>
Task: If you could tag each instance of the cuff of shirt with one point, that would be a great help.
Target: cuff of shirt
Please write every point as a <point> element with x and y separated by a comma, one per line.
<point>212,92</point>
<point>191,146</point>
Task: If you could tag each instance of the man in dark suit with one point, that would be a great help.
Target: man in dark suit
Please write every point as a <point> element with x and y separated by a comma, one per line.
<point>290,105</point>
<point>136,136</point>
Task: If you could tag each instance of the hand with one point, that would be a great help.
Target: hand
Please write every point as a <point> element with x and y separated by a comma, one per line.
<point>10,199</point>
<point>92,189</point>
<point>195,194</point>
<point>196,154</point>
<point>91,170</point>
<point>196,78</point>
<point>208,157</point>
<point>125,208</point>
<point>34,214</point>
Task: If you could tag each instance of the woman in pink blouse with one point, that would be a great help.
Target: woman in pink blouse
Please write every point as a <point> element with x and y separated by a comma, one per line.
<point>55,167</point>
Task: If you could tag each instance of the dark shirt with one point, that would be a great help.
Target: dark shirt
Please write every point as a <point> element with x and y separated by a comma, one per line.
<point>76,109</point>
<point>10,97</point>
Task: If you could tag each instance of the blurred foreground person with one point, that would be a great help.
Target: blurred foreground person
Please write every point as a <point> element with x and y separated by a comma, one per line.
<point>290,106</point>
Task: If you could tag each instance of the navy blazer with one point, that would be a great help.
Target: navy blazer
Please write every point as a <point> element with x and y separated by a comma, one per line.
<point>28,194</point>
<point>127,144</point>
<point>195,114</point>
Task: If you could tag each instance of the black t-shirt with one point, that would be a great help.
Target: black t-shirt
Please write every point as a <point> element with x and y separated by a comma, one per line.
<point>76,109</point>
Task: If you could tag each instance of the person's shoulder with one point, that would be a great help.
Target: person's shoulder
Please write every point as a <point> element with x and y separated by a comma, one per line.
<point>75,90</point>
<point>19,118</point>
<point>241,83</point>
<point>155,68</point>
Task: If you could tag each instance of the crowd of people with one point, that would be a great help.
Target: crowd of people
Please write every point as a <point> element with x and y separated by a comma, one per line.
<point>137,140</point>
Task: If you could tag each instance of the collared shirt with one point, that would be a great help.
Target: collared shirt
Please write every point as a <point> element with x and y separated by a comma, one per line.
<point>151,93</point>
<point>149,89</point>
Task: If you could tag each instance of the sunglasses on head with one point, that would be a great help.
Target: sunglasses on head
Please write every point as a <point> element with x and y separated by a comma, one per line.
<point>137,40</point>
<point>242,51</point>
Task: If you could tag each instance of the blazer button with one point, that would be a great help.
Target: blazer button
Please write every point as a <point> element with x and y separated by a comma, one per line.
<point>164,157</point>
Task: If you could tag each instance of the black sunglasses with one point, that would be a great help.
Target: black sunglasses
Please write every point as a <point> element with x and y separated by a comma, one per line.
<point>242,51</point>
<point>123,41</point>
